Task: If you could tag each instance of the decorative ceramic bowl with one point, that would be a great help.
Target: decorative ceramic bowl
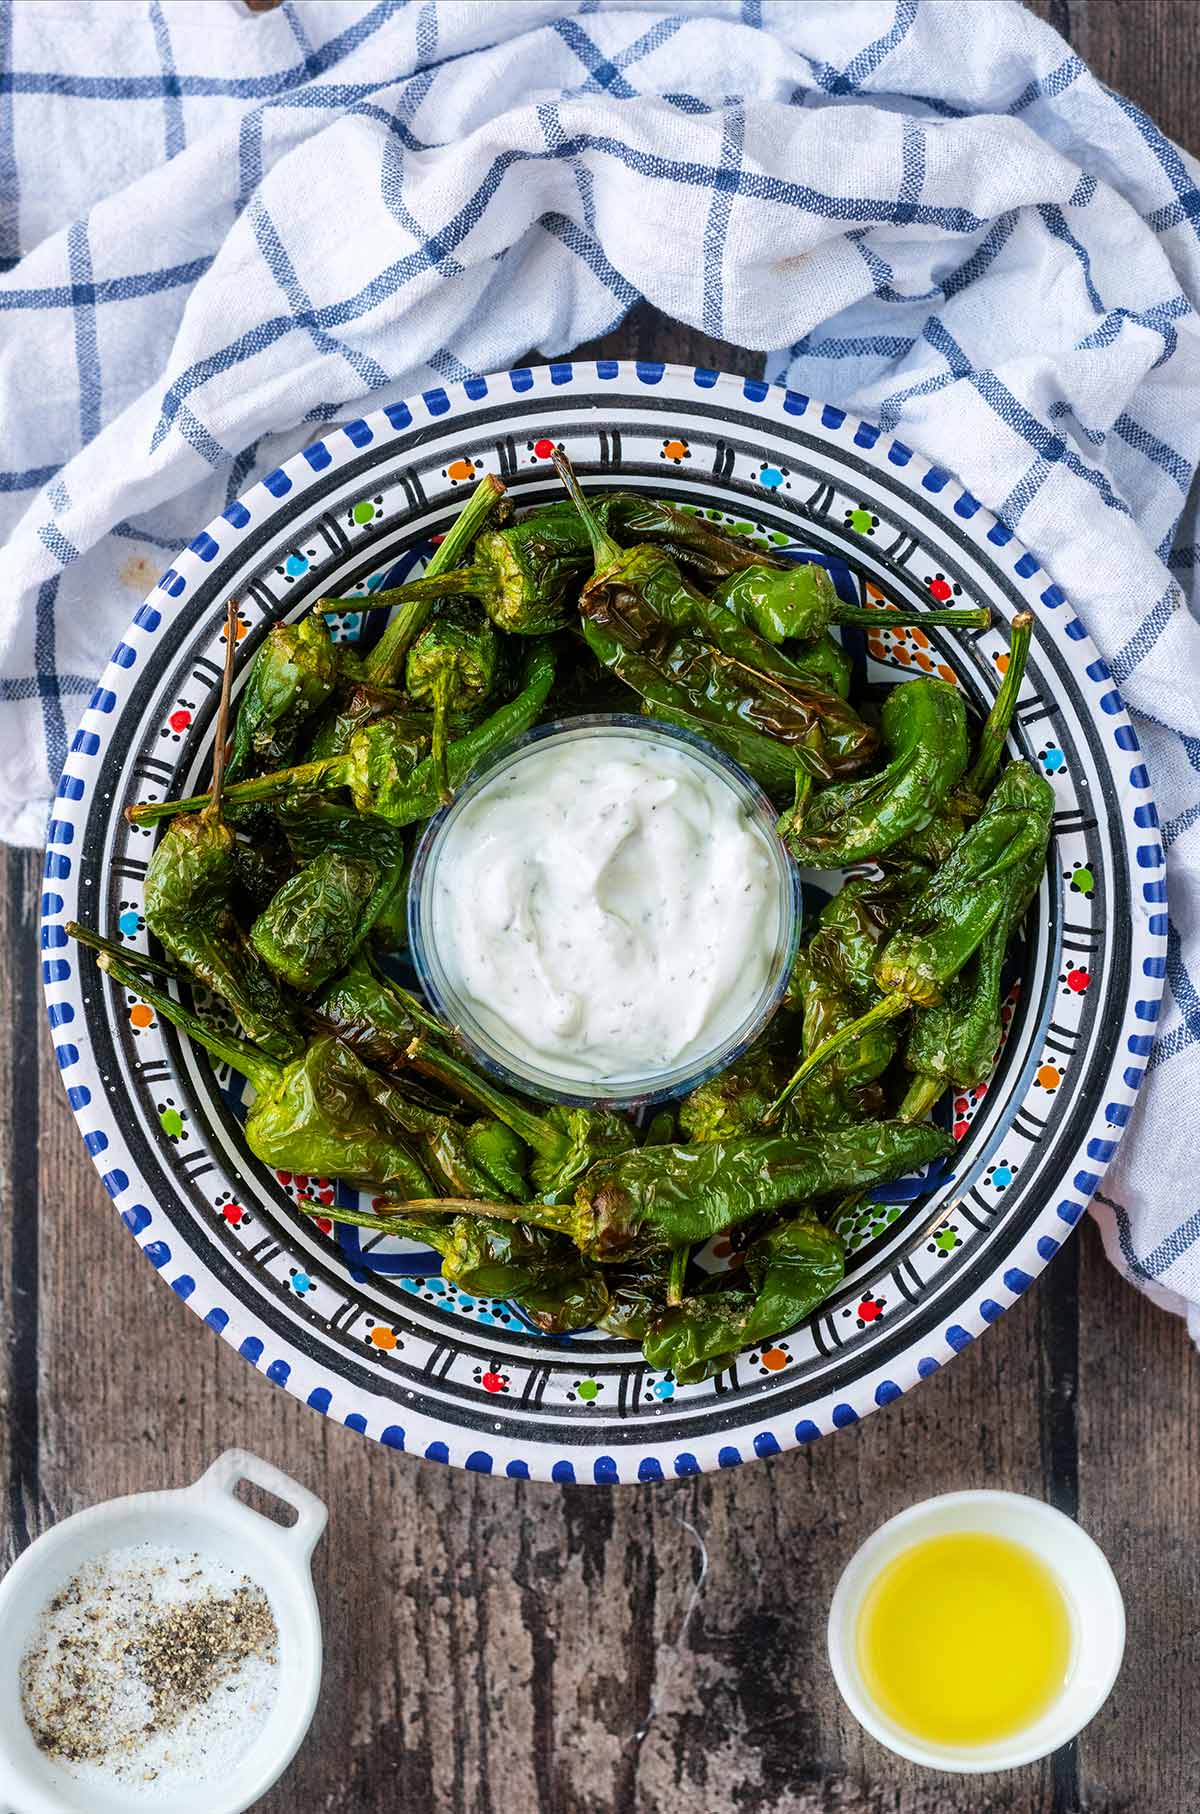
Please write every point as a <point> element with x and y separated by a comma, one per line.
<point>367,1331</point>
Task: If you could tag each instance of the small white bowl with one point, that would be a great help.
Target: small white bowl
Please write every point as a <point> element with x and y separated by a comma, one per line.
<point>208,1518</point>
<point>1088,1585</point>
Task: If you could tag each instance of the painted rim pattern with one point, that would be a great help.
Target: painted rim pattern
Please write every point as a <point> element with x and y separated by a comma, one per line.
<point>369,1333</point>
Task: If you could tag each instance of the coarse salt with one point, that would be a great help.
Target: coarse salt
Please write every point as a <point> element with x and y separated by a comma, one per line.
<point>152,1667</point>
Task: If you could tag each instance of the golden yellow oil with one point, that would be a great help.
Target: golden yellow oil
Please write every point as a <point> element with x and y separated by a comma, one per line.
<point>964,1639</point>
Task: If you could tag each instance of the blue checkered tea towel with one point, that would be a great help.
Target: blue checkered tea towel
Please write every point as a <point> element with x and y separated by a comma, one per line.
<point>218,227</point>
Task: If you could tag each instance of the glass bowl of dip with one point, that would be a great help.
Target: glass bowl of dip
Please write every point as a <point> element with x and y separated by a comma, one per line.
<point>606,913</point>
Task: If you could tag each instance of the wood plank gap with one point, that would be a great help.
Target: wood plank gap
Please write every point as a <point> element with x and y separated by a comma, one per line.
<point>24,1210</point>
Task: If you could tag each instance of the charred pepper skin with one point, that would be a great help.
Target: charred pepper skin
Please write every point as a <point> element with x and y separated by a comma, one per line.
<point>925,736</point>
<point>976,885</point>
<point>451,664</point>
<point>537,1269</point>
<point>564,1141</point>
<point>379,780</point>
<point>324,1114</point>
<point>791,1269</point>
<point>293,675</point>
<point>948,920</point>
<point>654,1199</point>
<point>638,603</point>
<point>191,883</point>
<point>310,929</point>
<point>800,602</point>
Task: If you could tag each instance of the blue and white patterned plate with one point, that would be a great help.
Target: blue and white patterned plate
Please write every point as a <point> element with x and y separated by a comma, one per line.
<point>372,1335</point>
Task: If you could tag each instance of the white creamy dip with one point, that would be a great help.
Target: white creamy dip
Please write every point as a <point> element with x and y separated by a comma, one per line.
<point>607,907</point>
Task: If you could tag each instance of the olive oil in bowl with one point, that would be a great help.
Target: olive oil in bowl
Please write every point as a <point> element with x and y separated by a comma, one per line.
<point>964,1638</point>
<point>976,1631</point>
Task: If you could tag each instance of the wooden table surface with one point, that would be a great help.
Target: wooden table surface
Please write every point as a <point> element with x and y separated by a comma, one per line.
<point>495,1645</point>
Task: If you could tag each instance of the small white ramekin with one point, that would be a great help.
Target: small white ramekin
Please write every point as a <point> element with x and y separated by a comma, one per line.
<point>206,1517</point>
<point>1082,1572</point>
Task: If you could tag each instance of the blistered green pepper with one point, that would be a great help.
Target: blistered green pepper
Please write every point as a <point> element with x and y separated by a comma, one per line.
<point>791,1269</point>
<point>824,663</point>
<point>192,881</point>
<point>800,602</point>
<point>975,886</point>
<point>925,736</point>
<point>378,782</point>
<point>636,1295</point>
<point>190,886</point>
<point>658,1198</point>
<point>733,1102</point>
<point>451,664</point>
<point>947,921</point>
<point>312,927</point>
<point>525,575</point>
<point>637,602</point>
<point>381,665</point>
<point>291,677</point>
<point>323,1114</point>
<point>375,1016</point>
<point>535,1268</point>
<point>564,1141</point>
<point>956,1042</point>
<point>934,843</point>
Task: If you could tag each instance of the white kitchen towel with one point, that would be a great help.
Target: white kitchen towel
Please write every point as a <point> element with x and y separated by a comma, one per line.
<point>218,227</point>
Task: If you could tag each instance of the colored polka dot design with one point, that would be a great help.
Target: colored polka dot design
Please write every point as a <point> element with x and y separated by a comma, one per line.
<point>367,1334</point>
<point>899,645</point>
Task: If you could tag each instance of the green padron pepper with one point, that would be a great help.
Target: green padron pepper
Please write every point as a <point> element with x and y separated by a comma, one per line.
<point>956,1042</point>
<point>292,676</point>
<point>637,1293</point>
<point>658,1198</point>
<point>382,665</point>
<point>963,804</point>
<point>638,602</point>
<point>314,924</point>
<point>925,736</point>
<point>537,1269</point>
<point>986,873</point>
<point>800,602</point>
<point>323,1115</point>
<point>191,883</point>
<point>790,1269</point>
<point>378,781</point>
<point>375,1016</point>
<point>525,575</point>
<point>451,664</point>
<point>564,1141</point>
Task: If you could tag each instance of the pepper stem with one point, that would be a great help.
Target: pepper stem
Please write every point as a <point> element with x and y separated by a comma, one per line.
<point>428,1233</point>
<point>433,1061</point>
<point>221,734</point>
<point>889,1007</point>
<point>383,662</point>
<point>443,688</point>
<point>253,1063</point>
<point>317,777</point>
<point>994,734</point>
<point>604,549</point>
<point>469,580</point>
<point>415,1008</point>
<point>562,1218</point>
<point>922,1094</point>
<point>140,959</point>
<point>676,1273</point>
<point>971,617</point>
